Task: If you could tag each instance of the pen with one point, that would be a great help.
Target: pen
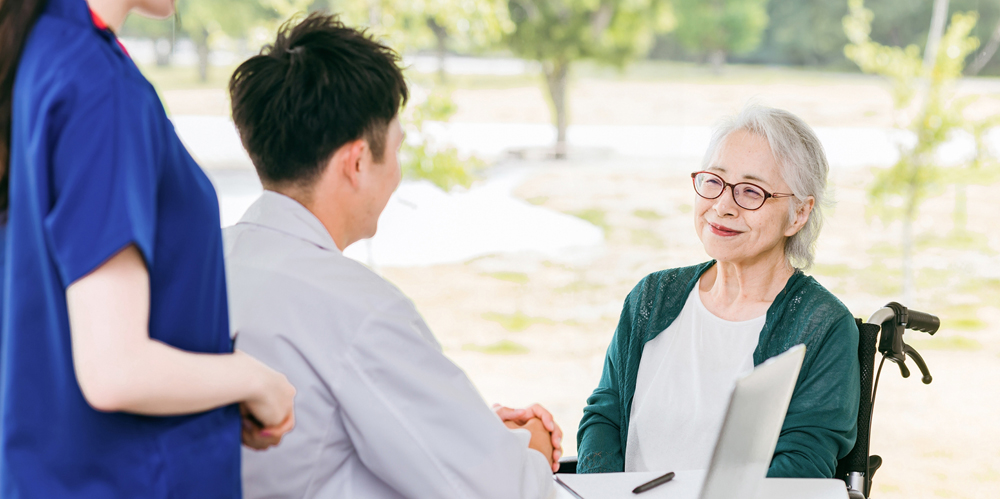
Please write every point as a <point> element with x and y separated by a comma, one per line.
<point>571,491</point>
<point>654,483</point>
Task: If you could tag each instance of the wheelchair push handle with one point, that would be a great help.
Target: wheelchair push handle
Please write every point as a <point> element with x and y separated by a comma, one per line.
<point>893,320</point>
<point>919,321</point>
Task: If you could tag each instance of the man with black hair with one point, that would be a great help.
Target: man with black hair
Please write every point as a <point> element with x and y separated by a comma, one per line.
<point>380,411</point>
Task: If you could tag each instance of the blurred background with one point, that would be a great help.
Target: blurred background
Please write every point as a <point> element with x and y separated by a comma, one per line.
<point>546,172</point>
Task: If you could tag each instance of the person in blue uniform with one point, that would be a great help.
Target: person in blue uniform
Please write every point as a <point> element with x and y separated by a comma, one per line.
<point>118,377</point>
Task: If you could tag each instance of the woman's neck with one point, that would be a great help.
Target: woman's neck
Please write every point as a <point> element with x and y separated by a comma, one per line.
<point>741,291</point>
<point>112,12</point>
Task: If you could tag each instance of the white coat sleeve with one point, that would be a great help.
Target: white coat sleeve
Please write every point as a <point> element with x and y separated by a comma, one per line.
<point>420,425</point>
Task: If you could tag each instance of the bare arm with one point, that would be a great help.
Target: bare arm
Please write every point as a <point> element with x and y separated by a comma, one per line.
<point>120,368</point>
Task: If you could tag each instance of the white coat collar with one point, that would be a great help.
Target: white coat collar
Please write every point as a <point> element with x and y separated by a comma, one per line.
<point>284,214</point>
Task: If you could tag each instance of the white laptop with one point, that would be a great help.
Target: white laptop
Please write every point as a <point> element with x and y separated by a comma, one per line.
<point>743,450</point>
<point>750,431</point>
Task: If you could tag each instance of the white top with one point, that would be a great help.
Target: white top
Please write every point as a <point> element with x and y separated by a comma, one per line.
<point>379,411</point>
<point>686,377</point>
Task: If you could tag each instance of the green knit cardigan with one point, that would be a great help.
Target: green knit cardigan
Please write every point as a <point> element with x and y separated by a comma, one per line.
<point>821,424</point>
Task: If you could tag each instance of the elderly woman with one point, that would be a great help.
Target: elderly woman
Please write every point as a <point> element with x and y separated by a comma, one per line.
<point>685,335</point>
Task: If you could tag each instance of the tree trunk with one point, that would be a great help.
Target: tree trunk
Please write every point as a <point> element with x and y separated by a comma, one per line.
<point>556,73</point>
<point>908,215</point>
<point>718,59</point>
<point>164,48</point>
<point>202,48</point>
<point>986,54</point>
<point>441,49</point>
<point>937,30</point>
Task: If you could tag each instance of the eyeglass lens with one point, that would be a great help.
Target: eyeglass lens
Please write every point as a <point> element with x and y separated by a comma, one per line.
<point>747,195</point>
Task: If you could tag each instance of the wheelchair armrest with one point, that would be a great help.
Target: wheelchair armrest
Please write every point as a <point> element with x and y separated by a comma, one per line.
<point>567,464</point>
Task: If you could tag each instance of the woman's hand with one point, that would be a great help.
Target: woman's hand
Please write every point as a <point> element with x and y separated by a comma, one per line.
<point>269,414</point>
<point>522,416</point>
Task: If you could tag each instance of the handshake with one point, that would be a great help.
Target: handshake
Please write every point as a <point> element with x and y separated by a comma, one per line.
<point>546,436</point>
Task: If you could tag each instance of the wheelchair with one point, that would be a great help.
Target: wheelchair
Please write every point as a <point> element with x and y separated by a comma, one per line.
<point>883,332</point>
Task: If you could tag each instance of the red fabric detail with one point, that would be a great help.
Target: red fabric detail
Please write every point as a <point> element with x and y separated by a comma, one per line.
<point>97,20</point>
<point>101,25</point>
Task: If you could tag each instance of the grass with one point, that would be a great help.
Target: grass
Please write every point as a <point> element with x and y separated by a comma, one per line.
<point>958,240</point>
<point>538,200</point>
<point>514,277</point>
<point>990,475</point>
<point>963,317</point>
<point>647,215</point>
<point>685,208</point>
<point>596,216</point>
<point>832,269</point>
<point>885,488</point>
<point>951,342</point>
<point>880,280</point>
<point>502,347</point>
<point>646,237</point>
<point>515,322</point>
<point>579,287</point>
<point>186,77</point>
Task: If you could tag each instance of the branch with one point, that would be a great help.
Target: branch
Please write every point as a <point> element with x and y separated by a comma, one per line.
<point>986,54</point>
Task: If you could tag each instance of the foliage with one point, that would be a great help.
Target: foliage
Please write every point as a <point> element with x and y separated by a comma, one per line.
<point>566,30</point>
<point>558,32</point>
<point>721,26</point>
<point>804,32</point>
<point>810,32</point>
<point>473,24</point>
<point>926,106</point>
<point>421,158</point>
<point>900,189</point>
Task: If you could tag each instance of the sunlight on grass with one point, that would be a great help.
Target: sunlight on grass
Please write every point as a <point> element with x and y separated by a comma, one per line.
<point>832,269</point>
<point>537,200</point>
<point>579,287</point>
<point>647,215</point>
<point>955,343</point>
<point>885,488</point>
<point>186,77</point>
<point>990,475</point>
<point>515,322</point>
<point>502,347</point>
<point>595,216</point>
<point>514,277</point>
<point>646,237</point>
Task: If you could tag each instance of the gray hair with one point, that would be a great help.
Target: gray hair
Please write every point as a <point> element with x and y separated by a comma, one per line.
<point>802,161</point>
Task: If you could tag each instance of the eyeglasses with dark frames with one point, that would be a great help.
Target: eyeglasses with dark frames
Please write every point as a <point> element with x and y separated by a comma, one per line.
<point>747,195</point>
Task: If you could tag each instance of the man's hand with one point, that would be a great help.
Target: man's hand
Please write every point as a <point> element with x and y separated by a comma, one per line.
<point>256,436</point>
<point>541,439</point>
<point>523,416</point>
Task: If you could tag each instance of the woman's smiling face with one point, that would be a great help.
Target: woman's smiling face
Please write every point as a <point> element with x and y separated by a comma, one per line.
<point>731,234</point>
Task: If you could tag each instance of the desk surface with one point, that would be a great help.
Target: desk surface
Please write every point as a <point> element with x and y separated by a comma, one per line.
<point>687,485</point>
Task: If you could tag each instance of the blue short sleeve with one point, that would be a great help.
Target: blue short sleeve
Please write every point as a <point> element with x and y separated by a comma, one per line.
<point>104,179</point>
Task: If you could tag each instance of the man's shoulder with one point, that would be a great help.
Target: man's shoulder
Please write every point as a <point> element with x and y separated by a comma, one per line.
<point>262,255</point>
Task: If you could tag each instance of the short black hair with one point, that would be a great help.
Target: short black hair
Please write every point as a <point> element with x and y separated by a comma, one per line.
<point>319,86</point>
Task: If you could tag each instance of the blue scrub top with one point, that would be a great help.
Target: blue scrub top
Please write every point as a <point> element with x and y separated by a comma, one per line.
<point>96,166</point>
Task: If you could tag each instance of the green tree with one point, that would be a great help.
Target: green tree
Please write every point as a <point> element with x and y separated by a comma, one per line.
<point>407,25</point>
<point>558,32</point>
<point>925,105</point>
<point>205,21</point>
<point>720,27</point>
<point>803,32</point>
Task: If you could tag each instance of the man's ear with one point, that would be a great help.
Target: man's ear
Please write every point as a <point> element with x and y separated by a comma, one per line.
<point>346,161</point>
<point>801,216</point>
